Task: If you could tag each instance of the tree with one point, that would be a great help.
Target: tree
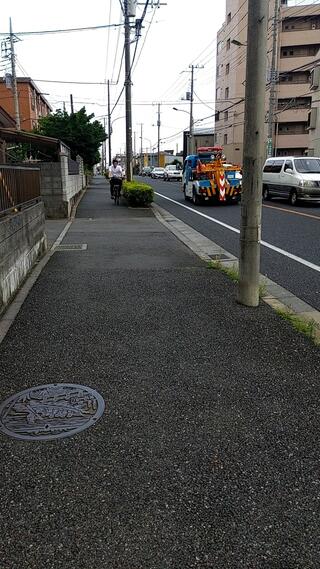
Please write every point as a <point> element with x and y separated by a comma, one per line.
<point>77,131</point>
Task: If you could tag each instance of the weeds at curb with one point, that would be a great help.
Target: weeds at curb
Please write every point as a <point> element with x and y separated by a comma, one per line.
<point>307,327</point>
<point>233,274</point>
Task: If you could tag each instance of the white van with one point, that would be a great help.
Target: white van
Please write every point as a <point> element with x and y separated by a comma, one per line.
<point>291,177</point>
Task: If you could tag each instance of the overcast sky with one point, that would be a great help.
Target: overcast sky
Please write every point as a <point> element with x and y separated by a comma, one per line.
<point>181,32</point>
<point>174,36</point>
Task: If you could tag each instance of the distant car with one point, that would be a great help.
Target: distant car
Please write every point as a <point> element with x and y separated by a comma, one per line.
<point>157,173</point>
<point>171,172</point>
<point>146,171</point>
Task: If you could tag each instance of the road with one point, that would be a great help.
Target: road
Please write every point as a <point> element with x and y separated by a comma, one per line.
<point>293,231</point>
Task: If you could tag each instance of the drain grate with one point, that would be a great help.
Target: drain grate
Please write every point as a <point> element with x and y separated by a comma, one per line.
<point>72,247</point>
<point>50,411</point>
<point>220,257</point>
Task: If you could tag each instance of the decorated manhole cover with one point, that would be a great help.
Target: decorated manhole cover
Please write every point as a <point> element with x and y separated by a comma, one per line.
<point>50,411</point>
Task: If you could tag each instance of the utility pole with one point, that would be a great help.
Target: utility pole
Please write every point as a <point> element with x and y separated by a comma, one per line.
<point>14,80</point>
<point>158,125</point>
<point>254,150</point>
<point>104,150</point>
<point>109,125</point>
<point>127,84</point>
<point>71,104</point>
<point>273,79</point>
<point>141,146</point>
<point>191,123</point>
<point>191,111</point>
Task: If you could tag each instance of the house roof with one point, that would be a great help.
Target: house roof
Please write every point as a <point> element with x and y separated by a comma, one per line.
<point>12,135</point>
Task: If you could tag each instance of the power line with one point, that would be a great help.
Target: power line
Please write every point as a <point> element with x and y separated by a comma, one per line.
<point>62,31</point>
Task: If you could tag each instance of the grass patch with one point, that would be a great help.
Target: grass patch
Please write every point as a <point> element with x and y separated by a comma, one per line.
<point>233,274</point>
<point>307,327</point>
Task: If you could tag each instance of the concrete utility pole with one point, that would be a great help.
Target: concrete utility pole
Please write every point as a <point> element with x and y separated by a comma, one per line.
<point>191,124</point>
<point>14,80</point>
<point>159,125</point>
<point>273,79</point>
<point>141,146</point>
<point>191,110</point>
<point>109,125</point>
<point>71,104</point>
<point>128,90</point>
<point>254,149</point>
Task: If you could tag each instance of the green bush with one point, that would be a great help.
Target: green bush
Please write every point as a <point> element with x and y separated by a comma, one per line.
<point>138,194</point>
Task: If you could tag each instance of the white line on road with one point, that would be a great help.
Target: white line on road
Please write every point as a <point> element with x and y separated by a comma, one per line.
<point>235,230</point>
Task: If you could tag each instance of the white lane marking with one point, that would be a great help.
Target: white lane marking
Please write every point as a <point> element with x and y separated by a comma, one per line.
<point>235,230</point>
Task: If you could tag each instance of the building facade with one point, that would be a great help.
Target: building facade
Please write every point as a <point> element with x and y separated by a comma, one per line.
<point>32,103</point>
<point>298,42</point>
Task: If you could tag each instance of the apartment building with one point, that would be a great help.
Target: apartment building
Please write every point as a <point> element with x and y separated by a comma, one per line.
<point>32,103</point>
<point>298,42</point>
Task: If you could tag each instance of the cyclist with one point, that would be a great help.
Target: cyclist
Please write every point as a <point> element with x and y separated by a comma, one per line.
<point>115,175</point>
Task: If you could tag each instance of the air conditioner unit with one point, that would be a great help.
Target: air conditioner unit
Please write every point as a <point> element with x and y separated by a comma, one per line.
<point>315,78</point>
<point>312,118</point>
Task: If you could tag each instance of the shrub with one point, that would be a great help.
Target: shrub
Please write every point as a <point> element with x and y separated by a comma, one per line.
<point>138,194</point>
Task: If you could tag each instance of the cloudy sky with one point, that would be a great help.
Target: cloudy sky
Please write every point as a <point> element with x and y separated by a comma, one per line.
<point>174,36</point>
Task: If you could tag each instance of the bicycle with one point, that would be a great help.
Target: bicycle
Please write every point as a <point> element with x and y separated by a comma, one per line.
<point>117,190</point>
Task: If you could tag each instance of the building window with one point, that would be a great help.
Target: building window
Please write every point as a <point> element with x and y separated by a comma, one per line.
<point>218,93</point>
<point>227,68</point>
<point>228,44</point>
<point>293,128</point>
<point>219,46</point>
<point>229,18</point>
<point>217,116</point>
<point>299,51</point>
<point>225,139</point>
<point>226,93</point>
<point>219,70</point>
<point>226,115</point>
<point>294,103</point>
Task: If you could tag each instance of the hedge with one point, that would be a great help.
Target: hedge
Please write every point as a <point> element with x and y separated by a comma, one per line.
<point>137,194</point>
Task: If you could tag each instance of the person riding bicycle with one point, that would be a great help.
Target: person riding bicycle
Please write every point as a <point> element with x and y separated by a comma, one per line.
<point>115,175</point>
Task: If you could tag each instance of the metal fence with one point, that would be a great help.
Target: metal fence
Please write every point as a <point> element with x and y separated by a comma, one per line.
<point>19,188</point>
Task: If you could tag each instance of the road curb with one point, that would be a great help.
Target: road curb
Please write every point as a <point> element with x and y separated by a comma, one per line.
<point>279,298</point>
<point>12,311</point>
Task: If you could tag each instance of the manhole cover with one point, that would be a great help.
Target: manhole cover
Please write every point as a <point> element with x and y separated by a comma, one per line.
<point>72,247</point>
<point>50,411</point>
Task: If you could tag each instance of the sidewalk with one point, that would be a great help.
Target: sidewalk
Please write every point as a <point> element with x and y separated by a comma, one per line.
<point>206,455</point>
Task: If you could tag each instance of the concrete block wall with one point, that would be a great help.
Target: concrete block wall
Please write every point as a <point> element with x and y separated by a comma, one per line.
<point>22,242</point>
<point>59,190</point>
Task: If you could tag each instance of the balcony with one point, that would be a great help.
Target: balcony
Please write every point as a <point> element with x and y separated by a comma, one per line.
<point>292,90</point>
<point>299,37</point>
<point>292,141</point>
<point>293,115</point>
<point>290,63</point>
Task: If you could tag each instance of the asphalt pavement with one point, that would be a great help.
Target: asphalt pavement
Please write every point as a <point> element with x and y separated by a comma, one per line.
<point>294,230</point>
<point>207,453</point>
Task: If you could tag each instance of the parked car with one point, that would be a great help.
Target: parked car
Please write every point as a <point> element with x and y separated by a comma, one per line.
<point>171,172</point>
<point>146,171</point>
<point>292,177</point>
<point>157,173</point>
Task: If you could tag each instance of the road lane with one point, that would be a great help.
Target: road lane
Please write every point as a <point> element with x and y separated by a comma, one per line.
<point>296,235</point>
